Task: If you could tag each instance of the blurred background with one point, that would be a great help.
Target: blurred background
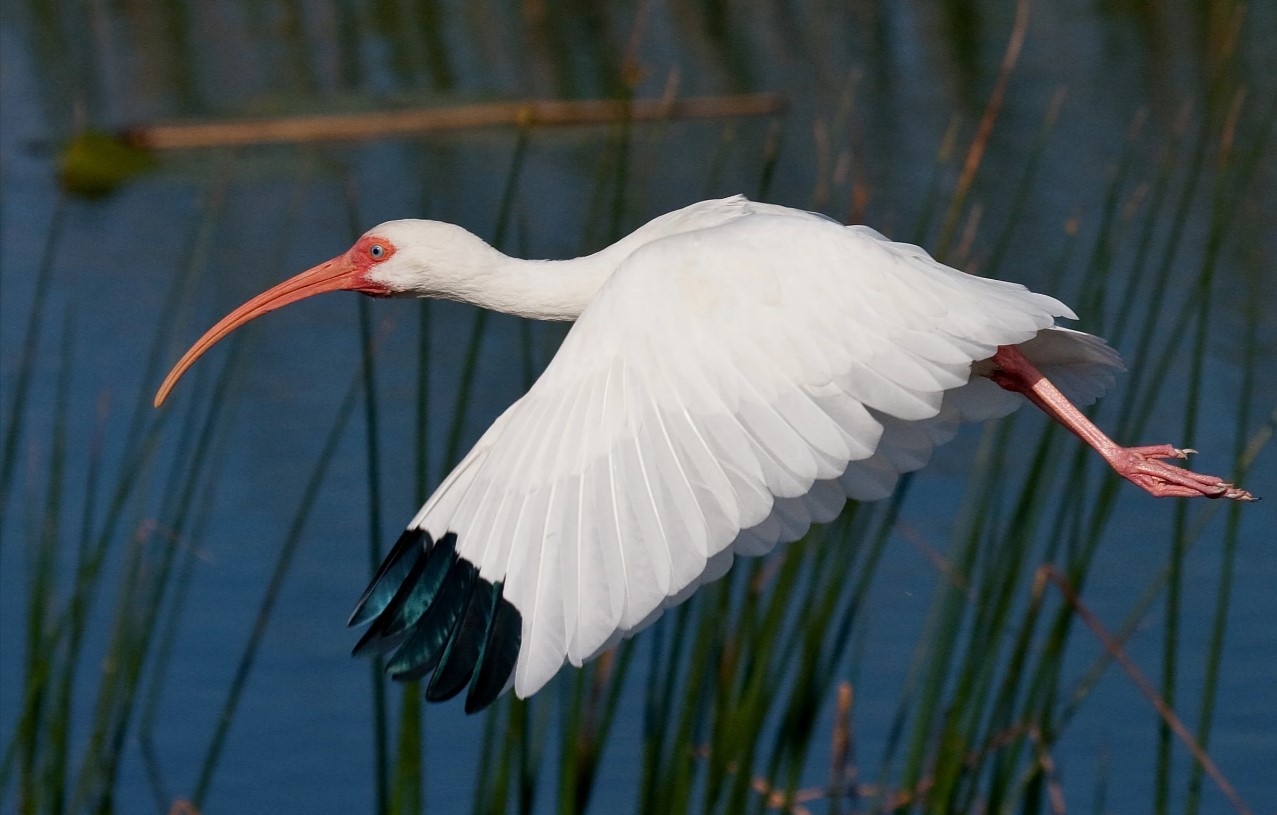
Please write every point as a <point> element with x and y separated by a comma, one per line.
<point>174,583</point>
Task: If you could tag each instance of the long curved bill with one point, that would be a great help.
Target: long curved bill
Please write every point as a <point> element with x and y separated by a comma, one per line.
<point>338,274</point>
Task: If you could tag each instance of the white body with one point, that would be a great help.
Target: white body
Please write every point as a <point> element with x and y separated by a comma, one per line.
<point>736,372</point>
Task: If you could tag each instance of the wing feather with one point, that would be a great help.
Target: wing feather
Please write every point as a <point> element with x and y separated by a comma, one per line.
<point>729,385</point>
<point>710,487</point>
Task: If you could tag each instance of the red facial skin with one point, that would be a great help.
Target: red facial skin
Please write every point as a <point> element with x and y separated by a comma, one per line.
<point>361,258</point>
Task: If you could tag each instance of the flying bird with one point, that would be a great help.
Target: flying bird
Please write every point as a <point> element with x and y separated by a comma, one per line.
<point>735,373</point>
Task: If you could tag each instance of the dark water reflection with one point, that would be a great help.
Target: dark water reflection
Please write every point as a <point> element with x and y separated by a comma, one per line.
<point>874,86</point>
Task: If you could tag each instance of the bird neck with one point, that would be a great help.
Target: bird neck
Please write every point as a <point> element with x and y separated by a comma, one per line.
<point>539,289</point>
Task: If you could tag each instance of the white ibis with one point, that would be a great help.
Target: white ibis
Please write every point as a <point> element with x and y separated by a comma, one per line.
<point>736,372</point>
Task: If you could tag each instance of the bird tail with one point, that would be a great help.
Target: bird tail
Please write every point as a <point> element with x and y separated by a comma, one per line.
<point>1081,365</point>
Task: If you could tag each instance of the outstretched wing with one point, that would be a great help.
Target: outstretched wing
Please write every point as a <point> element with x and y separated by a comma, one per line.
<point>726,387</point>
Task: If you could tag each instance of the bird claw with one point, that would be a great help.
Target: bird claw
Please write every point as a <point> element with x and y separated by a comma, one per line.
<point>1145,467</point>
<point>1161,451</point>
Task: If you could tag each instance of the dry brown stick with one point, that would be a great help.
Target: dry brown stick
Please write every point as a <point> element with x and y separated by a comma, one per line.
<point>382,124</point>
<point>1146,688</point>
<point>984,131</point>
<point>994,106</point>
<point>1054,792</point>
<point>843,772</point>
<point>842,768</point>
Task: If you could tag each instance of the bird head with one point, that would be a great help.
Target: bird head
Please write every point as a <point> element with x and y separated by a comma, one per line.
<point>397,258</point>
<point>414,258</point>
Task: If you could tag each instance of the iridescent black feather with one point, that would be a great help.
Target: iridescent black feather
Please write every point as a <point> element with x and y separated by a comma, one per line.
<point>431,606</point>
<point>500,654</point>
<point>389,577</point>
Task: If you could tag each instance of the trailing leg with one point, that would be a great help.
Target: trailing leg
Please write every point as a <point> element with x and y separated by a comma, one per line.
<point>1145,467</point>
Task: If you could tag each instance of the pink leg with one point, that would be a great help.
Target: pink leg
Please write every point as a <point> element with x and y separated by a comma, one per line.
<point>1142,466</point>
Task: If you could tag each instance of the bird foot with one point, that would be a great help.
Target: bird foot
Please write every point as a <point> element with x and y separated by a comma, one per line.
<point>1146,468</point>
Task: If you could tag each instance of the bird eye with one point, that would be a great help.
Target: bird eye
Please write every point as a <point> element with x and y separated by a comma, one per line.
<point>377,251</point>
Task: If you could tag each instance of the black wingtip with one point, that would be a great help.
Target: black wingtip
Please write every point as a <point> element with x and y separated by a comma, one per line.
<point>421,652</point>
<point>465,647</point>
<point>431,606</point>
<point>500,654</point>
<point>378,638</point>
<point>416,593</point>
<point>390,576</point>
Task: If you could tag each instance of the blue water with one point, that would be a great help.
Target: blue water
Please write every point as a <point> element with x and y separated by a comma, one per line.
<point>301,740</point>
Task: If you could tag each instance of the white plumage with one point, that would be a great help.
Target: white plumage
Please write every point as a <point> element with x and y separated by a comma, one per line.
<point>736,371</point>
<point>696,388</point>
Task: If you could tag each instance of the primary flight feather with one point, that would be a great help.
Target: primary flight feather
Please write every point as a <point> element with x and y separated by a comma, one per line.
<point>736,372</point>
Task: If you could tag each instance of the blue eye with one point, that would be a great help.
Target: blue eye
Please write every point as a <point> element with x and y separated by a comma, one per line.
<point>377,251</point>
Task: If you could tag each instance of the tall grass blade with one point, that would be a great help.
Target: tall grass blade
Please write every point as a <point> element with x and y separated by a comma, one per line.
<point>30,348</point>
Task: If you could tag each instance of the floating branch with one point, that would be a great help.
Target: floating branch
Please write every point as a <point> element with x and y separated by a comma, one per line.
<point>381,124</point>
